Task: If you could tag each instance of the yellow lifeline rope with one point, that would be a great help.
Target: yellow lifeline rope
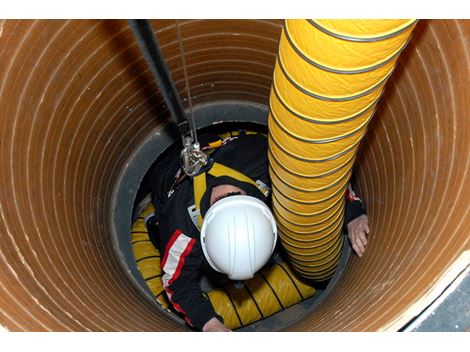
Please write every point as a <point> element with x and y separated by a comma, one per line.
<point>268,292</point>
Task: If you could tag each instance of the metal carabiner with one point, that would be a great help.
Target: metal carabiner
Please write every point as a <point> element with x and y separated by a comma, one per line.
<point>193,159</point>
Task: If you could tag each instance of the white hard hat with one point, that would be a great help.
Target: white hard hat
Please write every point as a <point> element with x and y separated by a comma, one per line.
<point>238,236</point>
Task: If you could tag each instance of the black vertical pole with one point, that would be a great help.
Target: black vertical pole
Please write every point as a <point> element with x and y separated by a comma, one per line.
<point>148,44</point>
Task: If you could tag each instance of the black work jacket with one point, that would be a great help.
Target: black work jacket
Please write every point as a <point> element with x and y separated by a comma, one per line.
<point>180,248</point>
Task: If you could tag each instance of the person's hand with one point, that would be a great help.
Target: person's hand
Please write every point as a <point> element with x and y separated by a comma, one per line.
<point>358,229</point>
<point>214,325</point>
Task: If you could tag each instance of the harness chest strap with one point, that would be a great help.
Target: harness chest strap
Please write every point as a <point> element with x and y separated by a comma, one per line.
<point>217,170</point>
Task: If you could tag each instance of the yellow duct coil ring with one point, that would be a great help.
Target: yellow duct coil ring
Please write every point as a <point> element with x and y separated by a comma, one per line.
<point>307,209</point>
<point>332,53</point>
<point>325,90</point>
<point>311,129</point>
<point>271,290</point>
<point>303,149</point>
<point>310,219</point>
<point>311,248</point>
<point>345,86</point>
<point>307,219</point>
<point>314,273</point>
<point>320,109</point>
<point>321,259</point>
<point>321,165</point>
<point>308,169</point>
<point>314,239</point>
<point>303,195</point>
<point>306,228</point>
<point>300,230</point>
<point>368,29</point>
<point>314,252</point>
<point>311,196</point>
<point>320,270</point>
<point>313,210</point>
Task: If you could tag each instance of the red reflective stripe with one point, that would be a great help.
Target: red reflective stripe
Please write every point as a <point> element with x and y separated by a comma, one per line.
<point>176,305</point>
<point>181,261</point>
<point>173,239</point>
<point>179,267</point>
<point>351,196</point>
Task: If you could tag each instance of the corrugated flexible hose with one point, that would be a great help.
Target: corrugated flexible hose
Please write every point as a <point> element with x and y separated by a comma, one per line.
<point>328,79</point>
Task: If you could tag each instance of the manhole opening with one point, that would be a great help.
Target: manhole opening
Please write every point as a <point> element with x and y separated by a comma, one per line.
<point>134,187</point>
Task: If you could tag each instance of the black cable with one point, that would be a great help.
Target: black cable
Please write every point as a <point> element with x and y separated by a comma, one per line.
<point>148,43</point>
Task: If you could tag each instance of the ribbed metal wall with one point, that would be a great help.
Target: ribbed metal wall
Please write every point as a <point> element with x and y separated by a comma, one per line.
<point>76,99</point>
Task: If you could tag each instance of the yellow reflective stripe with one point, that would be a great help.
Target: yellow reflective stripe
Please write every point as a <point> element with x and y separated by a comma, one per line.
<point>215,144</point>
<point>218,170</point>
<point>200,187</point>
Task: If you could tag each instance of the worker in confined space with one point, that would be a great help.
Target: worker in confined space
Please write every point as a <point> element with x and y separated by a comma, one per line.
<point>220,220</point>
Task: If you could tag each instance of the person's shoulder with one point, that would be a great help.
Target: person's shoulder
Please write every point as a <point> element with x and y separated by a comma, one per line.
<point>177,211</point>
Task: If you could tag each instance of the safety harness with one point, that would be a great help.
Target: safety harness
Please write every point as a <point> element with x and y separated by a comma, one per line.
<point>214,169</point>
<point>218,170</point>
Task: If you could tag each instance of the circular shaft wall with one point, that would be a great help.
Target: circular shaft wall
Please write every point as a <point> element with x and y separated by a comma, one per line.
<point>77,99</point>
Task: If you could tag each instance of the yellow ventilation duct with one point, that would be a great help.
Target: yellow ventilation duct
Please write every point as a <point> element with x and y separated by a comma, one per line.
<point>328,78</point>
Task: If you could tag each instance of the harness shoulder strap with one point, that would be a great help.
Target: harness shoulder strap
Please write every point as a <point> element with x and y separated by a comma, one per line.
<point>217,170</point>
<point>200,186</point>
<point>222,170</point>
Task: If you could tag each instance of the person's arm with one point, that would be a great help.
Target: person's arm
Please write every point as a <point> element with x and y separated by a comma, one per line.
<point>356,222</point>
<point>181,262</point>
